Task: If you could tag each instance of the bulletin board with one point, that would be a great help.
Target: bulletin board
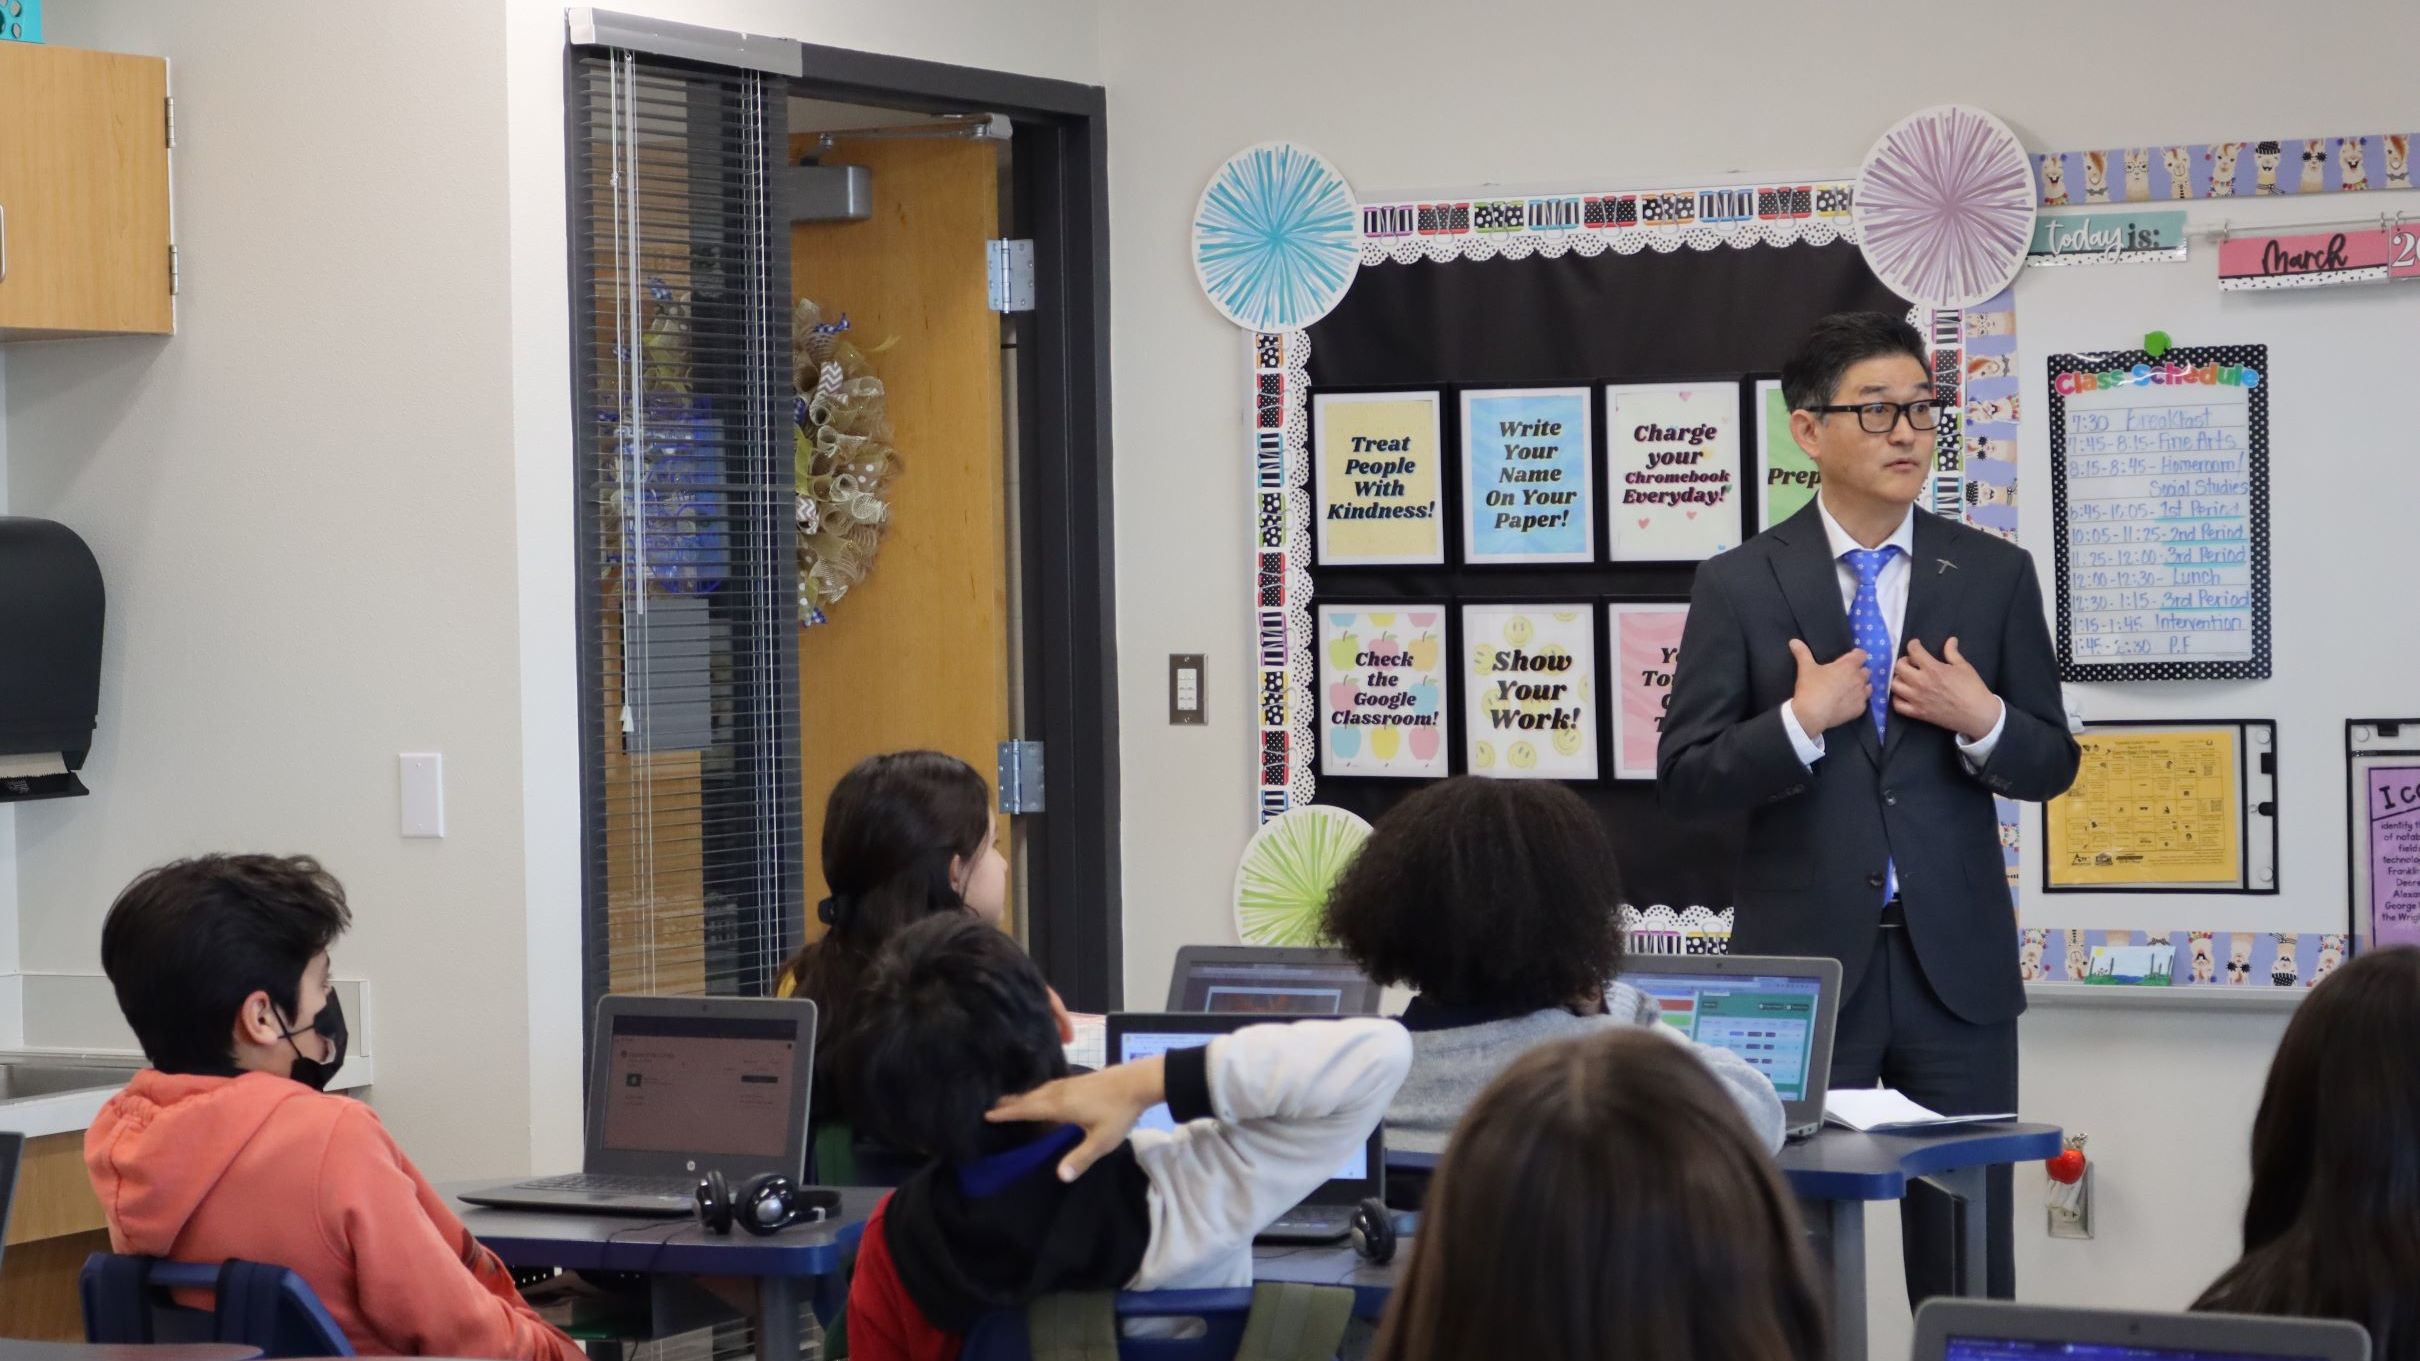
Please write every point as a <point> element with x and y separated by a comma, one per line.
<point>1631,345</point>
<point>2339,479</point>
<point>1603,291</point>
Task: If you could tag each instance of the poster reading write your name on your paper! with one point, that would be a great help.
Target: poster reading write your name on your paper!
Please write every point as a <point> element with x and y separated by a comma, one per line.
<point>1525,489</point>
<point>1786,478</point>
<point>1529,690</point>
<point>1382,691</point>
<point>1646,642</point>
<point>1377,479</point>
<point>1672,470</point>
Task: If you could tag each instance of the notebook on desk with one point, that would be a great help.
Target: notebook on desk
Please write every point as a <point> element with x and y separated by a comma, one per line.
<point>1776,1013</point>
<point>1325,1215</point>
<point>1998,1330</point>
<point>681,1086</point>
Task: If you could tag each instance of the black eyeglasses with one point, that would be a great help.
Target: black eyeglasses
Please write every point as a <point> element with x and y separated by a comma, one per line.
<point>1880,418</point>
<point>2235,966</point>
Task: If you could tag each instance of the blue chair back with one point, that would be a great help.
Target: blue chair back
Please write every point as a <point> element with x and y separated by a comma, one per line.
<point>1001,1336</point>
<point>127,1301</point>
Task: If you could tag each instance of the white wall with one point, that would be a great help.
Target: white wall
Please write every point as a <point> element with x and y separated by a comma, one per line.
<point>1406,97</point>
<point>334,512</point>
<point>303,507</point>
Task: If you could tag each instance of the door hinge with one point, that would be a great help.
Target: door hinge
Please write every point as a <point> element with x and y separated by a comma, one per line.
<point>1008,275</point>
<point>1020,777</point>
<point>172,270</point>
<point>170,101</point>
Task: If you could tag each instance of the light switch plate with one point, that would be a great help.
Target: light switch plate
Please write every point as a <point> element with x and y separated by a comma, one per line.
<point>423,787</point>
<point>1185,688</point>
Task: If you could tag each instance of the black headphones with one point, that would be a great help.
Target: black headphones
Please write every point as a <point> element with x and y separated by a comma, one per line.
<point>1374,1231</point>
<point>764,1204</point>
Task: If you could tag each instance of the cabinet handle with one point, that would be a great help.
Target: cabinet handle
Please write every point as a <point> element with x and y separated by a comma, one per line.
<point>3,243</point>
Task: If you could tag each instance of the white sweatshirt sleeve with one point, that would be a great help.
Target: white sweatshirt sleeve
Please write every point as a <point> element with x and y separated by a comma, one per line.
<point>1290,1102</point>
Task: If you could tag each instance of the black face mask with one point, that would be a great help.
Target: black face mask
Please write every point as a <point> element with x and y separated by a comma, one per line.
<point>330,1026</point>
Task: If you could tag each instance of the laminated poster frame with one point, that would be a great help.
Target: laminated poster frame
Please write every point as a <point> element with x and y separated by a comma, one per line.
<point>2256,789</point>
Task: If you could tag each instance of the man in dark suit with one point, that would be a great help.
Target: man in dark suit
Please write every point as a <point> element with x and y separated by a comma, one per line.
<point>1860,680</point>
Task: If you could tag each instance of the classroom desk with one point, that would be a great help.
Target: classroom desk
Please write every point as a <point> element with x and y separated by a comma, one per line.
<point>1834,1175</point>
<point>679,1247</point>
<point>1336,1264</point>
<point>17,1349</point>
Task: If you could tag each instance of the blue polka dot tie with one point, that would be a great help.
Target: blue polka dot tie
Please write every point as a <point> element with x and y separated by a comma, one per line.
<point>1866,626</point>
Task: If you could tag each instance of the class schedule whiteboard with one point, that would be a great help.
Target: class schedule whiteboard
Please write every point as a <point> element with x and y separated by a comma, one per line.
<point>2160,498</point>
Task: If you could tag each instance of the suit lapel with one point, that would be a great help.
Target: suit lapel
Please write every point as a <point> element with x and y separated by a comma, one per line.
<point>1810,582</point>
<point>1932,591</point>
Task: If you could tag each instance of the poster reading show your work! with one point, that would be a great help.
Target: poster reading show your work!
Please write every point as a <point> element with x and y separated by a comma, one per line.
<point>1529,690</point>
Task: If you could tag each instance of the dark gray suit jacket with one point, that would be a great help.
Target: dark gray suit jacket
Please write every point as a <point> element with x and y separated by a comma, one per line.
<point>1811,879</point>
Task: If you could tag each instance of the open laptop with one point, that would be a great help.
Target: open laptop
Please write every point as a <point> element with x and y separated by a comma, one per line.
<point>12,1151</point>
<point>1778,1013</point>
<point>678,1087</point>
<point>1998,1330</point>
<point>1270,981</point>
<point>1324,1216</point>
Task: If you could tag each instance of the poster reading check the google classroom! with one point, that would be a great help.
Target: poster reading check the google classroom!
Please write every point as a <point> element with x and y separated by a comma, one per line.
<point>1525,483</point>
<point>1672,466</point>
<point>1382,690</point>
<point>1529,690</point>
<point>1377,477</point>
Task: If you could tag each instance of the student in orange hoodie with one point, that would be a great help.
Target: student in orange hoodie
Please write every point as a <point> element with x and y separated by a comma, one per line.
<point>228,1146</point>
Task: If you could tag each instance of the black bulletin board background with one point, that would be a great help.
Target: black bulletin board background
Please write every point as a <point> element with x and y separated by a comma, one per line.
<point>1576,320</point>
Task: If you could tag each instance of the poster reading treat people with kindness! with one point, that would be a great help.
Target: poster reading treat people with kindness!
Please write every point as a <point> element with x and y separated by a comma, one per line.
<point>1377,484</point>
<point>1525,483</point>
<point>1646,647</point>
<point>1529,690</point>
<point>1672,470</point>
<point>1382,690</point>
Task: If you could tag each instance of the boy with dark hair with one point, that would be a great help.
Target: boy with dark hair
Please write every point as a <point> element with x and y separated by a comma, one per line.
<point>228,1145</point>
<point>1039,1182</point>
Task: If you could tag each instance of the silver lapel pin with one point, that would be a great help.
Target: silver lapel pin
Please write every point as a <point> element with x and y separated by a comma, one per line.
<point>1946,564</point>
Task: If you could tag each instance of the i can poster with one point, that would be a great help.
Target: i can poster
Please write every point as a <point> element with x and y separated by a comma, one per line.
<point>1786,478</point>
<point>1377,478</point>
<point>1525,484</point>
<point>1646,646</point>
<point>1672,469</point>
<point>1529,690</point>
<point>1382,690</point>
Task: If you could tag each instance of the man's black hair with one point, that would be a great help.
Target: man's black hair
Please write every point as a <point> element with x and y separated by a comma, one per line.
<point>187,942</point>
<point>1836,344</point>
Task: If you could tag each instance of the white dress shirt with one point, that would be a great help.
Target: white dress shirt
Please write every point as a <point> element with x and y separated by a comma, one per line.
<point>1890,593</point>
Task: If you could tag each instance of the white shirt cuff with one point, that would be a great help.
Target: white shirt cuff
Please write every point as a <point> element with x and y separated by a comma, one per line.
<point>1810,749</point>
<point>1978,752</point>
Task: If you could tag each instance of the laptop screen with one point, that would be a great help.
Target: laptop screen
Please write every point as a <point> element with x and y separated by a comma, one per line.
<point>701,1085</point>
<point>1272,988</point>
<point>1142,1044</point>
<point>2012,1349</point>
<point>1767,1019</point>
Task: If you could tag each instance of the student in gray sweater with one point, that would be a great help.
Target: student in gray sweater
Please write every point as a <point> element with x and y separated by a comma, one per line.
<point>1498,901</point>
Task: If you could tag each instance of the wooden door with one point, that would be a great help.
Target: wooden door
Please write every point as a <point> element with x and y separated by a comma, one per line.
<point>83,192</point>
<point>917,654</point>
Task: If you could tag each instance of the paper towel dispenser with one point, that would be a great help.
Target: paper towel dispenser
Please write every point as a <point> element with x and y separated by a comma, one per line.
<point>50,658</point>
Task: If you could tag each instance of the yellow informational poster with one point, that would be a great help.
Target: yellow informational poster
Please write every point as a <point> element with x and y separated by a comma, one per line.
<point>2152,809</point>
<point>1376,478</point>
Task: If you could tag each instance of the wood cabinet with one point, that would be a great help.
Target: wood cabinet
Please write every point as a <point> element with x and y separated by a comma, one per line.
<point>56,1225</point>
<point>84,225</point>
